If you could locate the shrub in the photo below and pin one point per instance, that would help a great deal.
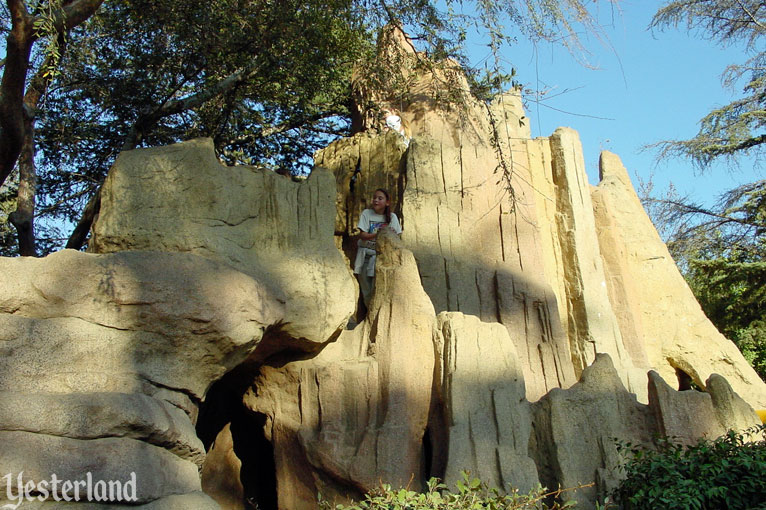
(727, 473)
(471, 494)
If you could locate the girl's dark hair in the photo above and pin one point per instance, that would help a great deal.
(388, 207)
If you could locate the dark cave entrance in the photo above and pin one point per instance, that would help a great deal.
(247, 437)
(685, 381)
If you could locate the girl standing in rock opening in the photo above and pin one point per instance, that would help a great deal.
(370, 221)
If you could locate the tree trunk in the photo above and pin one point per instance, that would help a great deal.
(80, 234)
(19, 44)
(23, 218)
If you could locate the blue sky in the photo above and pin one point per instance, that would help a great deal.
(650, 87)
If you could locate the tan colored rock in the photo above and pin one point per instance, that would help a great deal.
(194, 500)
(732, 411)
(444, 209)
(77, 322)
(220, 474)
(657, 309)
(181, 199)
(103, 359)
(689, 415)
(684, 416)
(592, 325)
(38, 457)
(575, 431)
(488, 418)
(99, 415)
(358, 410)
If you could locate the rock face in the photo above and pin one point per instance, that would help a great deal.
(357, 413)
(273, 230)
(488, 420)
(521, 323)
(106, 357)
(508, 229)
(668, 330)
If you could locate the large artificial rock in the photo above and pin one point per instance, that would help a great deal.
(194, 500)
(357, 413)
(689, 415)
(124, 322)
(488, 418)
(215, 299)
(592, 325)
(575, 432)
(98, 415)
(105, 357)
(182, 199)
(657, 310)
(158, 472)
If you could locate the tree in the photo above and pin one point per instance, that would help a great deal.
(19, 98)
(269, 81)
(739, 127)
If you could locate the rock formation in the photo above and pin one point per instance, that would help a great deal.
(523, 321)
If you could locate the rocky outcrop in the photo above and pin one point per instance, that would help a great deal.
(488, 419)
(256, 221)
(204, 335)
(668, 330)
(356, 413)
(575, 432)
(507, 229)
(106, 357)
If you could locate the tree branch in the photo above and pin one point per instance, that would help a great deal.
(149, 118)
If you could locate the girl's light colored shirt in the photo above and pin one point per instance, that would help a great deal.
(371, 222)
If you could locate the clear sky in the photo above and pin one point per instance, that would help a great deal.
(647, 87)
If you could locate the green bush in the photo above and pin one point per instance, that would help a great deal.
(471, 494)
(727, 473)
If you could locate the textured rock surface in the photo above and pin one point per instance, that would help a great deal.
(104, 359)
(223, 288)
(574, 431)
(220, 474)
(689, 415)
(195, 501)
(358, 410)
(125, 322)
(181, 199)
(488, 418)
(655, 305)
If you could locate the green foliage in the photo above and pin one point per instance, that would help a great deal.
(729, 472)
(470, 494)
(726, 268)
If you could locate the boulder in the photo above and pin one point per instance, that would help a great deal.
(488, 418)
(180, 198)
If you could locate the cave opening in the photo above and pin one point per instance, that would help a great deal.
(240, 470)
(685, 381)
